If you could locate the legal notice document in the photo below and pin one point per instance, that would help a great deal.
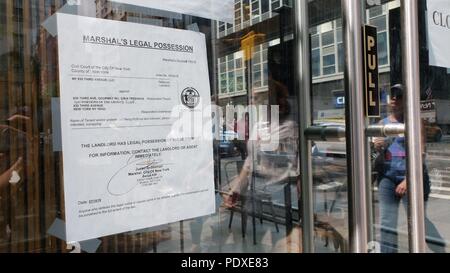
(136, 126)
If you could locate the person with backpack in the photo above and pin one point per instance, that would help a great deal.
(391, 177)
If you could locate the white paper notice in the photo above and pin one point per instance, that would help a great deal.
(221, 10)
(126, 90)
(439, 32)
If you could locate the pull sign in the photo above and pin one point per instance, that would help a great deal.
(373, 107)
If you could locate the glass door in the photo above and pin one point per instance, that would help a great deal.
(241, 128)
(236, 192)
(434, 106)
(406, 214)
(328, 109)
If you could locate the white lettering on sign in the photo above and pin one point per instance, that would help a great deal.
(340, 100)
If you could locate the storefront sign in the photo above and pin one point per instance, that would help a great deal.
(439, 32)
(428, 110)
(127, 164)
(222, 10)
(340, 102)
(373, 107)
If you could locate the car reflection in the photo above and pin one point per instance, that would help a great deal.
(228, 146)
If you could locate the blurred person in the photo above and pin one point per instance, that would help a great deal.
(259, 159)
(272, 151)
(391, 177)
(11, 174)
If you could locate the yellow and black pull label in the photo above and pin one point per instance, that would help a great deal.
(372, 93)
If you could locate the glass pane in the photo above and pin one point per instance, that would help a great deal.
(383, 55)
(265, 6)
(239, 83)
(328, 38)
(379, 22)
(264, 54)
(223, 67)
(133, 88)
(339, 35)
(231, 81)
(265, 74)
(315, 41)
(389, 235)
(262, 184)
(257, 76)
(239, 63)
(388, 154)
(329, 60)
(246, 8)
(329, 70)
(329, 158)
(230, 64)
(328, 50)
(375, 11)
(257, 58)
(434, 108)
(341, 58)
(275, 4)
(315, 59)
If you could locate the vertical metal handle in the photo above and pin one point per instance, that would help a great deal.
(411, 70)
(303, 87)
(355, 123)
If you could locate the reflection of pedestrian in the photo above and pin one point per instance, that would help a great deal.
(272, 158)
(272, 149)
(392, 187)
(241, 143)
(11, 173)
